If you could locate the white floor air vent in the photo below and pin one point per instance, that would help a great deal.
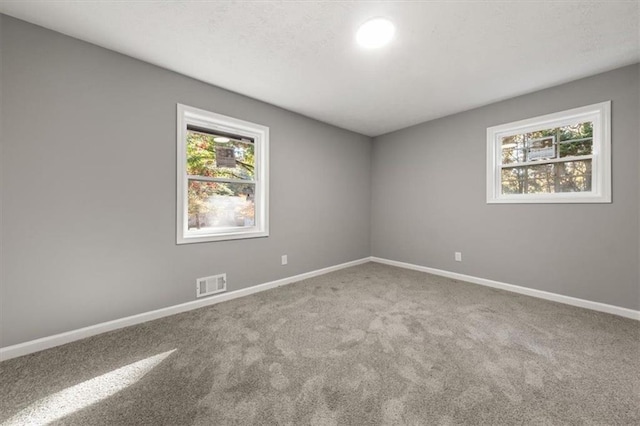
(211, 285)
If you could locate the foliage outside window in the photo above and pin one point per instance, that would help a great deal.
(222, 177)
(556, 158)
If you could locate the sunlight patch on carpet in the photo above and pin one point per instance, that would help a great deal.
(82, 395)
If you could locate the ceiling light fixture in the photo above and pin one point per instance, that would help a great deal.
(375, 33)
(221, 139)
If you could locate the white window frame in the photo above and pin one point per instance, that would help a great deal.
(188, 115)
(599, 114)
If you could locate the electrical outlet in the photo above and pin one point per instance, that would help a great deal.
(284, 259)
(458, 256)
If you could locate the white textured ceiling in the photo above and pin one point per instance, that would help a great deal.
(446, 57)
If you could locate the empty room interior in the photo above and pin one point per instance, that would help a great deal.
(320, 213)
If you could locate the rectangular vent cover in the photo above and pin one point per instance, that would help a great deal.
(211, 285)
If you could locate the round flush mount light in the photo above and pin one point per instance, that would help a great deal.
(375, 33)
(221, 139)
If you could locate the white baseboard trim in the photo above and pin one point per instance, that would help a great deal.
(81, 333)
(568, 300)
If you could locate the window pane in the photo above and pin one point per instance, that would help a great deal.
(576, 131)
(572, 176)
(513, 173)
(537, 179)
(513, 180)
(576, 148)
(542, 148)
(539, 186)
(233, 159)
(541, 171)
(512, 187)
(221, 205)
(540, 179)
(576, 139)
(513, 141)
(546, 144)
(512, 155)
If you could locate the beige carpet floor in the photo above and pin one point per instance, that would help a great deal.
(368, 345)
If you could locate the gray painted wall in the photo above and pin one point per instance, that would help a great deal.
(87, 201)
(428, 200)
(89, 188)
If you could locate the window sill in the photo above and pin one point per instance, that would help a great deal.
(575, 198)
(206, 238)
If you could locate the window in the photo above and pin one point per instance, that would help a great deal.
(557, 158)
(222, 177)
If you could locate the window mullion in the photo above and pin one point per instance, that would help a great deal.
(551, 161)
(221, 180)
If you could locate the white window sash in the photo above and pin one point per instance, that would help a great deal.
(599, 114)
(187, 115)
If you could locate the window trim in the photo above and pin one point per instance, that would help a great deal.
(194, 116)
(599, 113)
